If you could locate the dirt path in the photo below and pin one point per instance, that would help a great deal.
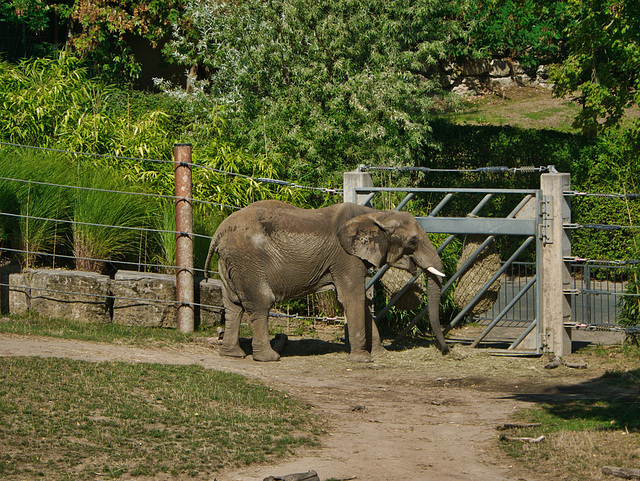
(411, 415)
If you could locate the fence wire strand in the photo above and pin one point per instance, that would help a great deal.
(608, 227)
(108, 226)
(614, 195)
(263, 180)
(482, 170)
(111, 191)
(55, 256)
(26, 290)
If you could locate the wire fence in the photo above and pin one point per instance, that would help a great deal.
(596, 299)
(144, 229)
(57, 255)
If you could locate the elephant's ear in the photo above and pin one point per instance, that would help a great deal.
(365, 237)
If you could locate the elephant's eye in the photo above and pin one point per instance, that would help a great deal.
(413, 242)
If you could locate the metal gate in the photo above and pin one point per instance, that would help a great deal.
(524, 223)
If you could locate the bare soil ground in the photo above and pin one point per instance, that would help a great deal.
(411, 415)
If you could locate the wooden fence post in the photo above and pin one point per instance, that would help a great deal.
(556, 279)
(184, 238)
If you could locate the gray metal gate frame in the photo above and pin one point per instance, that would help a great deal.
(530, 228)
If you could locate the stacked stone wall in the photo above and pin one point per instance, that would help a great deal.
(476, 76)
(130, 298)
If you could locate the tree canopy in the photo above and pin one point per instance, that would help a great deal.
(337, 82)
(602, 60)
(326, 82)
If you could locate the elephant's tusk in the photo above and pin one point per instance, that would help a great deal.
(435, 271)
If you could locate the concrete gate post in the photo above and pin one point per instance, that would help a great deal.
(351, 180)
(556, 246)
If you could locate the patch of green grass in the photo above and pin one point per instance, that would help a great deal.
(586, 426)
(544, 113)
(64, 419)
(619, 413)
(524, 108)
(32, 324)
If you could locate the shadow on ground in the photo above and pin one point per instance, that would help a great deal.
(611, 400)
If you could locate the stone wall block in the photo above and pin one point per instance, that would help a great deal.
(502, 83)
(516, 68)
(19, 295)
(480, 75)
(144, 299)
(73, 295)
(523, 80)
(132, 298)
(210, 292)
(499, 68)
(476, 67)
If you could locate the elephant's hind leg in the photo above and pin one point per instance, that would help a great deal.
(262, 350)
(231, 340)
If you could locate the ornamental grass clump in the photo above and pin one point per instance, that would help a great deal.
(108, 218)
(34, 208)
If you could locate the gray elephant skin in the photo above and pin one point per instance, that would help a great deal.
(271, 251)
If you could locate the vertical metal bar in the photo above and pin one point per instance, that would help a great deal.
(377, 276)
(539, 273)
(587, 288)
(368, 199)
(384, 269)
(520, 205)
(184, 238)
(473, 301)
(466, 265)
(481, 204)
(464, 311)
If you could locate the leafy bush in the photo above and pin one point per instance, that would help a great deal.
(54, 103)
(525, 29)
(630, 303)
(608, 165)
(601, 64)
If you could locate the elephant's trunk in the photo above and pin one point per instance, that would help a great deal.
(428, 259)
(433, 300)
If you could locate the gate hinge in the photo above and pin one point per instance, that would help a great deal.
(546, 224)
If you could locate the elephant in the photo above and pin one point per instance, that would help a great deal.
(271, 251)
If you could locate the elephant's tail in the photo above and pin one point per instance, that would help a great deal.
(213, 247)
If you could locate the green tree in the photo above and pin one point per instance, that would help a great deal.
(104, 30)
(101, 32)
(325, 83)
(528, 30)
(33, 27)
(602, 62)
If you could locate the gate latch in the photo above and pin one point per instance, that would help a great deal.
(546, 224)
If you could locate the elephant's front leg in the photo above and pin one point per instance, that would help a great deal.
(262, 350)
(374, 341)
(359, 332)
